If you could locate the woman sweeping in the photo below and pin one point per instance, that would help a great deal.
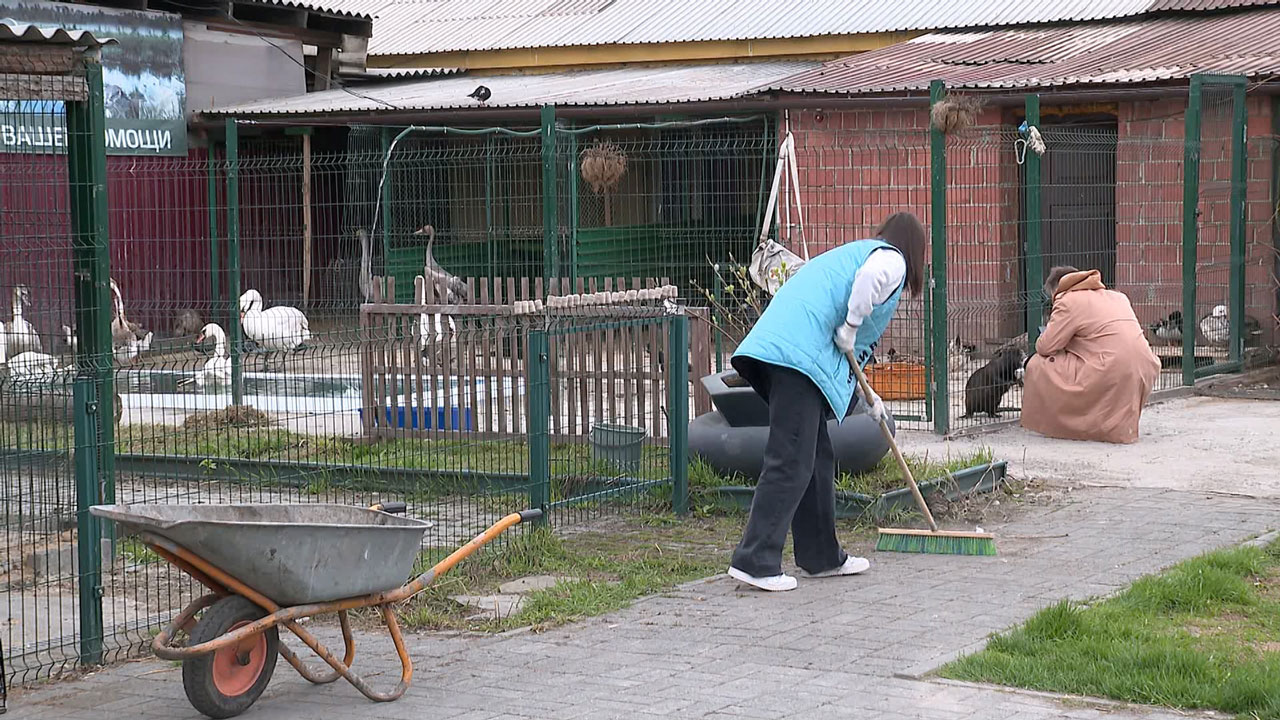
(1093, 369)
(794, 357)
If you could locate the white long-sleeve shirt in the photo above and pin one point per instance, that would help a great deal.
(879, 277)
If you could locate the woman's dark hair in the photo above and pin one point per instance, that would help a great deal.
(1056, 274)
(903, 231)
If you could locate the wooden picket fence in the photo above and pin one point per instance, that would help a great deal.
(468, 378)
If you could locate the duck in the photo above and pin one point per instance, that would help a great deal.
(69, 342)
(217, 369)
(275, 329)
(30, 365)
(1169, 329)
(22, 337)
(1216, 327)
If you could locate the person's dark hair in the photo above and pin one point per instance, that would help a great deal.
(1056, 274)
(903, 231)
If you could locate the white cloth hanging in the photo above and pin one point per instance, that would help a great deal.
(772, 263)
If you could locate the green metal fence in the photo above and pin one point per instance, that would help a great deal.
(471, 402)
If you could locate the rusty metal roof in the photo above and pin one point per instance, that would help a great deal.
(414, 27)
(624, 86)
(50, 36)
(1129, 51)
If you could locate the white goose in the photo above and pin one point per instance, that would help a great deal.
(35, 366)
(22, 336)
(275, 329)
(217, 369)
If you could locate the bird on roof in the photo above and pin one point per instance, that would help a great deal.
(481, 93)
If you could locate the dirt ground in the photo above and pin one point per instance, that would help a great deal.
(1202, 444)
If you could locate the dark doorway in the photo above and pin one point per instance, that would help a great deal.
(1078, 194)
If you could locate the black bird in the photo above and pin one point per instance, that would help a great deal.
(481, 93)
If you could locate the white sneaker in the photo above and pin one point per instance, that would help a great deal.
(852, 566)
(775, 583)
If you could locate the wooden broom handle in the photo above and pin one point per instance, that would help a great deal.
(893, 445)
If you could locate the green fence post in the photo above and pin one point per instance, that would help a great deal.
(385, 202)
(938, 276)
(574, 216)
(1239, 176)
(1190, 217)
(94, 388)
(539, 383)
(1034, 272)
(678, 412)
(88, 539)
(233, 261)
(215, 252)
(550, 240)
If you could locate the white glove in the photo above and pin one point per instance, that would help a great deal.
(874, 406)
(846, 334)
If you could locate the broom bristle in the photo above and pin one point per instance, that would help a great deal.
(935, 544)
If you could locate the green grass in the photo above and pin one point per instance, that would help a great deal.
(272, 443)
(1203, 635)
(606, 571)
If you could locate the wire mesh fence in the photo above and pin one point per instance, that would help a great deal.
(475, 321)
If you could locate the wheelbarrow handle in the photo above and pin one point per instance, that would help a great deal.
(393, 508)
(530, 514)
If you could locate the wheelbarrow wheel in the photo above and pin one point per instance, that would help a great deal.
(227, 682)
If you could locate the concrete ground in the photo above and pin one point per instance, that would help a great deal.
(834, 648)
(1199, 444)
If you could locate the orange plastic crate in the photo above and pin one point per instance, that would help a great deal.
(897, 380)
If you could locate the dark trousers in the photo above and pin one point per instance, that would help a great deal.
(796, 489)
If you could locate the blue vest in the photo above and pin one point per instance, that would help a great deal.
(797, 329)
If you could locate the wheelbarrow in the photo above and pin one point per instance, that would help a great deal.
(273, 565)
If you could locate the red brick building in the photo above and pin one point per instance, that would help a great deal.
(1113, 97)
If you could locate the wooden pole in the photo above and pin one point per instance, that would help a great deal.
(306, 220)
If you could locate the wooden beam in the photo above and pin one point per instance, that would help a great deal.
(324, 68)
(319, 38)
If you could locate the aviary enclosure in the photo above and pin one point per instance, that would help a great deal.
(488, 318)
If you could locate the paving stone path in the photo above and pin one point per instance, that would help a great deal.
(834, 648)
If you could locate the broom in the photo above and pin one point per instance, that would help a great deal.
(932, 541)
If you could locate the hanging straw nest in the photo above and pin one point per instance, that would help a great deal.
(603, 165)
(955, 113)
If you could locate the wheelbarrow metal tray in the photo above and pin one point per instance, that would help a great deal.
(293, 554)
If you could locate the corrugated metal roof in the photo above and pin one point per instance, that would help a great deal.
(1198, 5)
(1128, 51)
(51, 36)
(625, 86)
(412, 73)
(336, 7)
(412, 27)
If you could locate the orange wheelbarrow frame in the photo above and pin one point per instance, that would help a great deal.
(244, 637)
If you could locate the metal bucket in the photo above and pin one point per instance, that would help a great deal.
(619, 445)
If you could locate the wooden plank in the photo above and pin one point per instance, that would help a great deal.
(415, 347)
(470, 339)
(366, 375)
(500, 336)
(389, 354)
(659, 329)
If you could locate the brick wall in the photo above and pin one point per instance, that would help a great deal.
(857, 166)
(1149, 187)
